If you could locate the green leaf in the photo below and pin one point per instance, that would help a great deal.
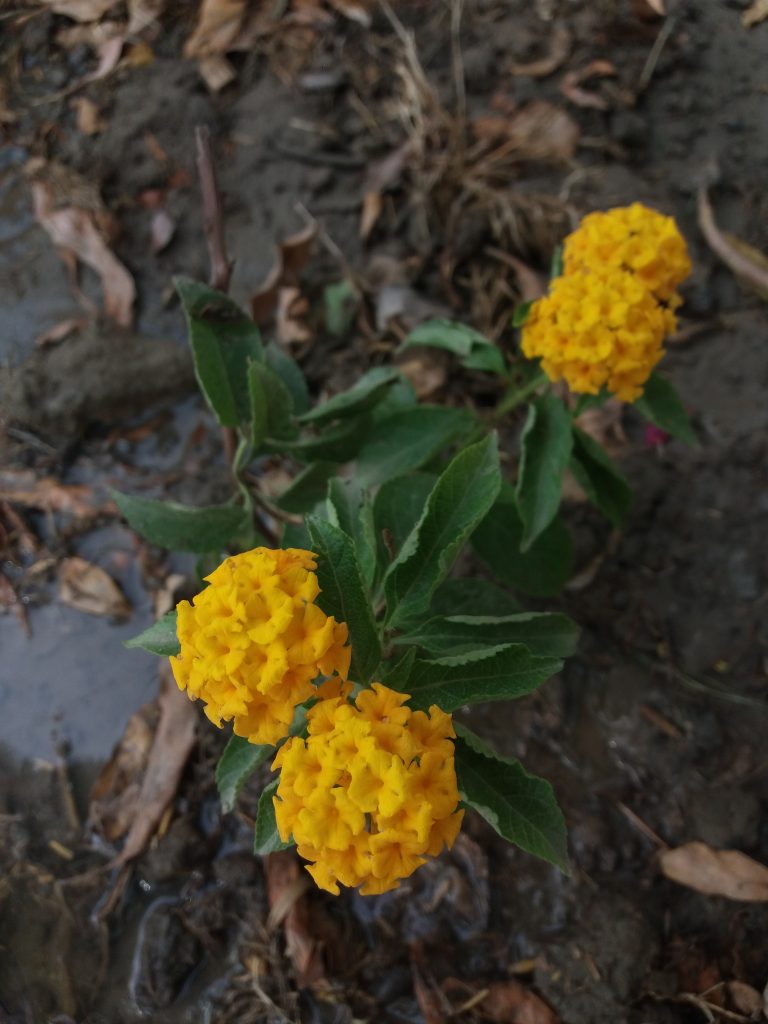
(545, 444)
(497, 673)
(472, 596)
(603, 484)
(160, 638)
(307, 489)
(397, 507)
(395, 674)
(180, 527)
(239, 760)
(343, 594)
(289, 372)
(366, 393)
(474, 350)
(223, 340)
(266, 838)
(546, 634)
(341, 301)
(407, 440)
(520, 313)
(271, 406)
(460, 499)
(540, 571)
(522, 808)
(339, 443)
(350, 509)
(661, 404)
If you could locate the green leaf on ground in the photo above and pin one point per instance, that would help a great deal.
(342, 301)
(407, 440)
(460, 499)
(522, 808)
(223, 341)
(542, 570)
(662, 406)
(239, 760)
(475, 351)
(602, 481)
(160, 638)
(365, 394)
(342, 594)
(181, 527)
(266, 838)
(547, 634)
(497, 673)
(545, 444)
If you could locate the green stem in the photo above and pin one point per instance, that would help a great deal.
(516, 396)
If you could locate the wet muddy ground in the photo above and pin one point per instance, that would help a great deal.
(654, 733)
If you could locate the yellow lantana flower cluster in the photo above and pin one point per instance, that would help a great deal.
(604, 320)
(253, 642)
(371, 792)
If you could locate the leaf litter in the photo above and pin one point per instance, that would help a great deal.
(88, 588)
(727, 873)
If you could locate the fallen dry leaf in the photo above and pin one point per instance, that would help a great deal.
(604, 425)
(509, 1002)
(81, 10)
(88, 116)
(142, 13)
(559, 48)
(426, 371)
(114, 799)
(20, 486)
(74, 230)
(570, 86)
(430, 999)
(292, 256)
(355, 10)
(755, 13)
(218, 25)
(171, 747)
(89, 588)
(60, 331)
(748, 264)
(291, 327)
(287, 885)
(728, 873)
(746, 1000)
(647, 9)
(162, 230)
(379, 176)
(216, 71)
(538, 131)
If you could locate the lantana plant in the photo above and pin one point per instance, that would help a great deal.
(331, 634)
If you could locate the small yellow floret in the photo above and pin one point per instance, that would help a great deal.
(253, 642)
(371, 792)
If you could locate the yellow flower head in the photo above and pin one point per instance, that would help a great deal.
(371, 792)
(596, 329)
(253, 642)
(633, 238)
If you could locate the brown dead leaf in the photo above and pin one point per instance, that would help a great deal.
(755, 13)
(291, 327)
(114, 799)
(81, 10)
(381, 175)
(538, 131)
(217, 72)
(354, 10)
(604, 425)
(747, 263)
(426, 371)
(142, 13)
(559, 48)
(89, 588)
(746, 1000)
(287, 885)
(292, 256)
(88, 116)
(647, 9)
(21, 487)
(430, 999)
(60, 331)
(570, 86)
(171, 747)
(728, 873)
(79, 232)
(509, 1002)
(218, 25)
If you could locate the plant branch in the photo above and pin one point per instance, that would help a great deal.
(213, 217)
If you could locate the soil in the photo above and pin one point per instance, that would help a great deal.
(652, 735)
